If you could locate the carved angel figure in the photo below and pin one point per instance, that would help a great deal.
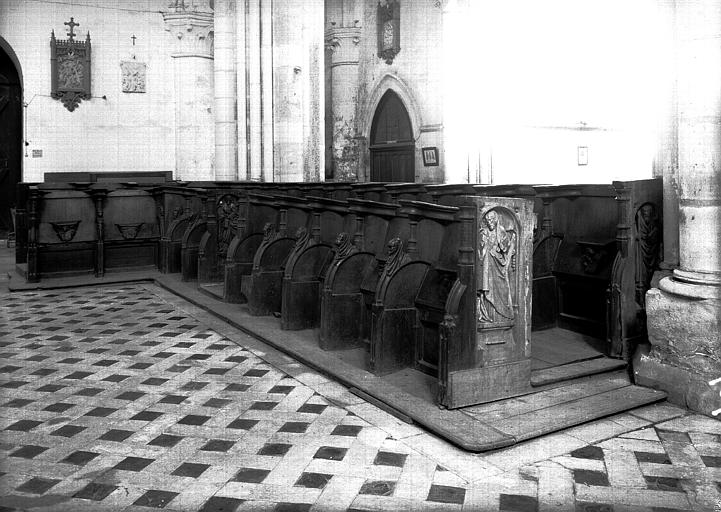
(496, 252)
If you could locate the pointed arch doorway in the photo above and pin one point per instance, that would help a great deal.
(10, 138)
(392, 149)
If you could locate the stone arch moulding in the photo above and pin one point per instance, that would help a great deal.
(368, 111)
(395, 84)
(14, 58)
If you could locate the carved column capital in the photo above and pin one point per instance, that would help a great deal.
(193, 31)
(344, 45)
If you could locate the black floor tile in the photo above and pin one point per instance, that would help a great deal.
(173, 399)
(116, 435)
(79, 458)
(313, 480)
(660, 483)
(155, 498)
(68, 430)
(23, 425)
(37, 485)
(154, 381)
(133, 464)
(296, 427)
(517, 503)
(217, 445)
(397, 460)
(193, 419)
(101, 412)
(147, 416)
(275, 449)
(237, 387)
(217, 403)
(292, 507)
(251, 475)
(312, 408)
(263, 406)
(242, 424)
(89, 391)
(28, 451)
(281, 389)
(656, 458)
(711, 461)
(446, 494)
(255, 373)
(588, 452)
(166, 440)
(379, 488)
(330, 453)
(588, 477)
(346, 430)
(221, 504)
(130, 395)
(190, 469)
(194, 385)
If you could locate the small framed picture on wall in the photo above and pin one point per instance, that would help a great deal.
(582, 155)
(430, 156)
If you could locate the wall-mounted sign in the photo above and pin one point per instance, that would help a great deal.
(430, 156)
(37, 153)
(582, 155)
(70, 68)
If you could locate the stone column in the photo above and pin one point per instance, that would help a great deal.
(192, 29)
(226, 130)
(254, 107)
(684, 313)
(242, 89)
(342, 37)
(266, 88)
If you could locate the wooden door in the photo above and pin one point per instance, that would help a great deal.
(10, 139)
(392, 147)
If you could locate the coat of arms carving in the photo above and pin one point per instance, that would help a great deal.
(70, 68)
(133, 75)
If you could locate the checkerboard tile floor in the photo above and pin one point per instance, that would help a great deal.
(122, 398)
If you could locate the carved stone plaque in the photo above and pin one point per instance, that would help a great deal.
(133, 76)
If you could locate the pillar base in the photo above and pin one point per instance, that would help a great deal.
(684, 331)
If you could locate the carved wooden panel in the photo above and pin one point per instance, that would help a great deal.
(70, 68)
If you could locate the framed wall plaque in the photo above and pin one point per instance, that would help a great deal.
(70, 68)
(430, 156)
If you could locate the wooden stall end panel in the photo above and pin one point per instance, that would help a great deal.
(342, 302)
(302, 288)
(66, 236)
(131, 231)
(239, 264)
(639, 242)
(264, 296)
(497, 241)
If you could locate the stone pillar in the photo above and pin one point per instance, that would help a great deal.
(266, 88)
(226, 130)
(342, 37)
(242, 89)
(192, 29)
(255, 107)
(684, 313)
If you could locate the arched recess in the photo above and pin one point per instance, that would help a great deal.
(392, 145)
(370, 107)
(11, 133)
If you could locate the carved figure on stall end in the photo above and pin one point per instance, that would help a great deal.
(648, 243)
(228, 223)
(496, 254)
(343, 248)
(396, 257)
(302, 239)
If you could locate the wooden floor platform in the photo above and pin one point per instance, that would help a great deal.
(573, 383)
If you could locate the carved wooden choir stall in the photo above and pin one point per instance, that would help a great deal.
(414, 296)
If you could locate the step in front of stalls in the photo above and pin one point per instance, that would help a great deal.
(588, 390)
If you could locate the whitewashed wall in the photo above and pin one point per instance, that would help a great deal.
(123, 132)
